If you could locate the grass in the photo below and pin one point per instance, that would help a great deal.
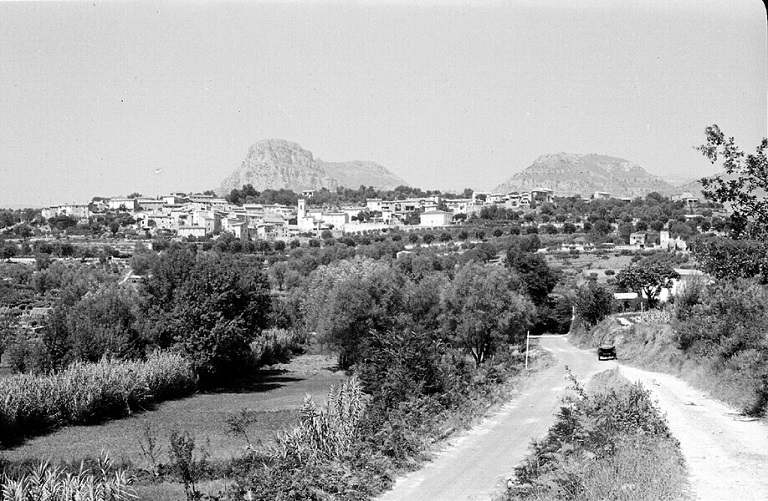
(274, 395)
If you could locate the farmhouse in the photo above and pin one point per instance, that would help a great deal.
(435, 218)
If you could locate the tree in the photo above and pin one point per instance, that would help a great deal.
(8, 251)
(538, 278)
(744, 186)
(348, 300)
(648, 279)
(482, 309)
(726, 259)
(593, 303)
(217, 312)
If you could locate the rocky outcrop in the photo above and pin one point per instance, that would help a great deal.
(276, 164)
(572, 174)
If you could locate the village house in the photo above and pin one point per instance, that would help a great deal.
(638, 238)
(81, 212)
(123, 204)
(435, 218)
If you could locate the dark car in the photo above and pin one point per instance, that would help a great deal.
(606, 351)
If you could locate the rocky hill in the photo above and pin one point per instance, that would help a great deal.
(276, 163)
(571, 174)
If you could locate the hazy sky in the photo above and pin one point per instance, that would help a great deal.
(95, 98)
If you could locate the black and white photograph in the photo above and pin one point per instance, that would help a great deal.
(384, 250)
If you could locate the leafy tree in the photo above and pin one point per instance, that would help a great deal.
(593, 303)
(348, 300)
(649, 279)
(8, 251)
(482, 310)
(744, 186)
(724, 258)
(217, 312)
(104, 324)
(538, 278)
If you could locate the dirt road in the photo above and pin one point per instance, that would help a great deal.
(477, 464)
(727, 457)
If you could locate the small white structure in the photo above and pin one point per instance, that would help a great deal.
(435, 218)
(638, 238)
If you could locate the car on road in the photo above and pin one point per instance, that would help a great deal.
(606, 351)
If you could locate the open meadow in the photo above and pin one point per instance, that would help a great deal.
(272, 396)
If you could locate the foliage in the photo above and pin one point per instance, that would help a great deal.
(724, 258)
(324, 434)
(649, 280)
(538, 277)
(482, 309)
(185, 464)
(210, 307)
(86, 393)
(54, 483)
(602, 442)
(727, 331)
(593, 303)
(398, 365)
(218, 311)
(102, 323)
(744, 184)
(348, 300)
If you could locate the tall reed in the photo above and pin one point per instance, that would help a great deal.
(53, 483)
(324, 433)
(86, 393)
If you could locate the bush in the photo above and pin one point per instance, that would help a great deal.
(602, 443)
(726, 331)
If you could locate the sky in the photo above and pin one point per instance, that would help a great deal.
(110, 98)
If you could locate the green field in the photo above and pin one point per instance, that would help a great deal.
(273, 396)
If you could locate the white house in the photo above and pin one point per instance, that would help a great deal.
(435, 218)
(124, 203)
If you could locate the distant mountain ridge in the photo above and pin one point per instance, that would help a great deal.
(569, 174)
(277, 163)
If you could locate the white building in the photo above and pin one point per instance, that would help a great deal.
(124, 203)
(435, 218)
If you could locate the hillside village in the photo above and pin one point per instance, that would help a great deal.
(204, 215)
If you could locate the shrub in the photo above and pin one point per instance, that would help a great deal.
(727, 331)
(610, 443)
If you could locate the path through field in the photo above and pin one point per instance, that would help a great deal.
(727, 456)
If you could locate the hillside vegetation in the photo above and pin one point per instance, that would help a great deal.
(609, 441)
